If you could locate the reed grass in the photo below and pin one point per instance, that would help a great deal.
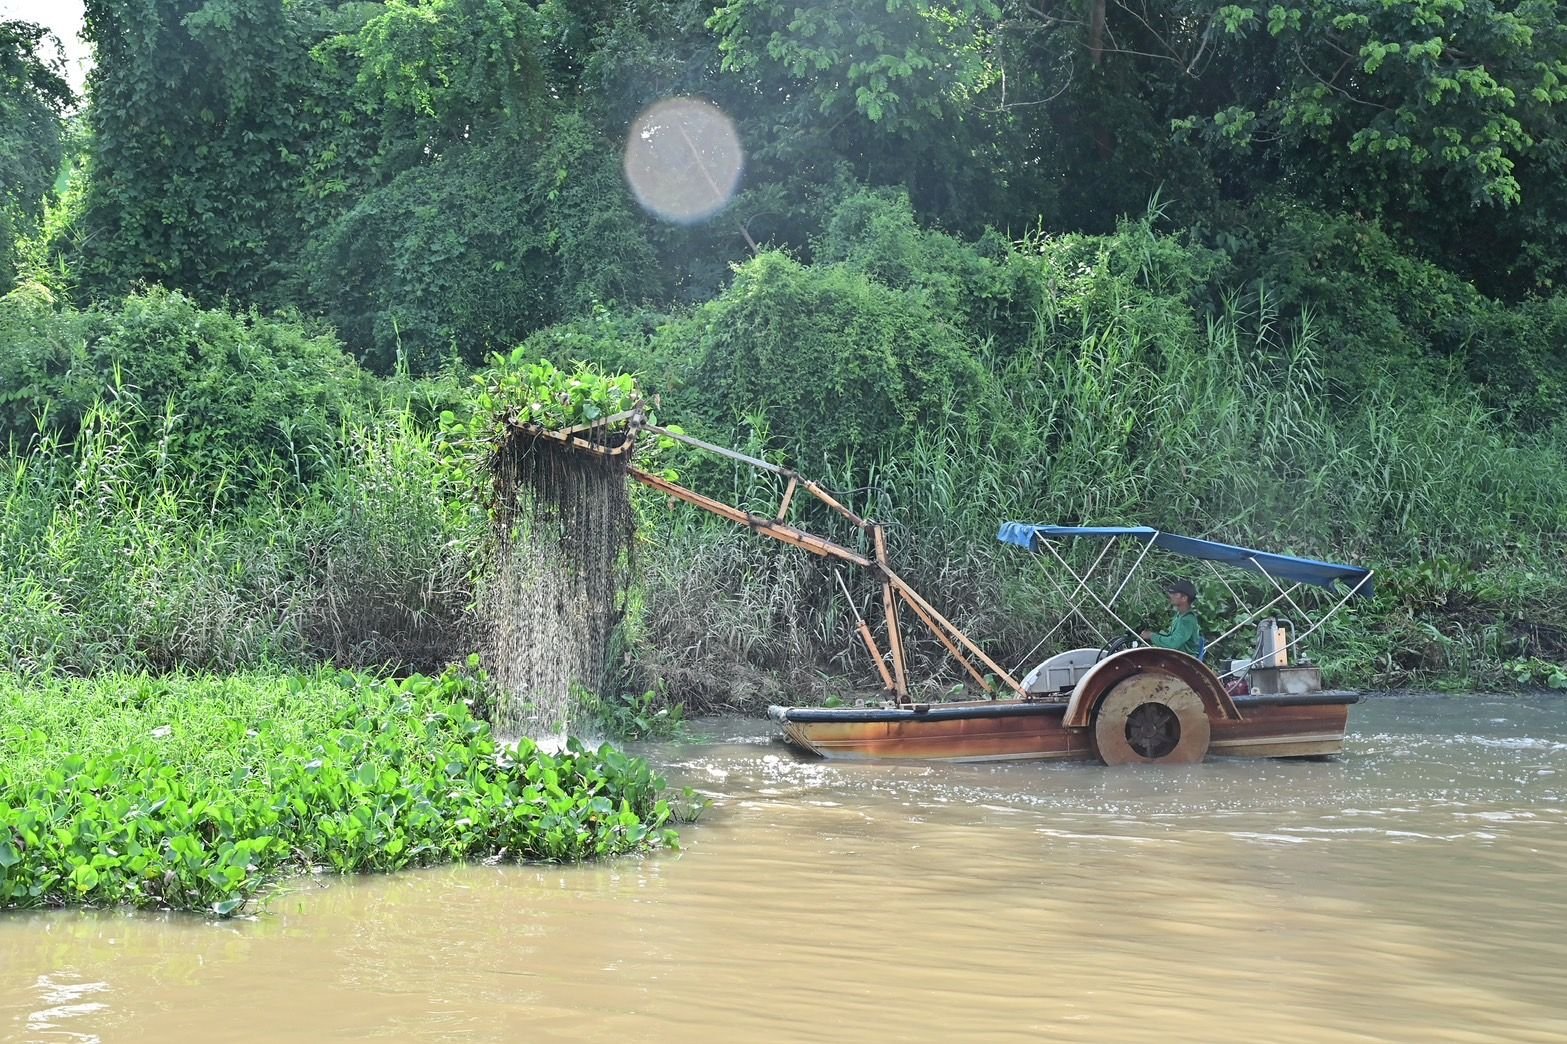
(115, 559)
(1127, 406)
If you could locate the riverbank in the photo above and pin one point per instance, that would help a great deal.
(197, 792)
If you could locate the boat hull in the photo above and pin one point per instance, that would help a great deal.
(1022, 730)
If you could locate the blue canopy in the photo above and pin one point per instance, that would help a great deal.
(1286, 567)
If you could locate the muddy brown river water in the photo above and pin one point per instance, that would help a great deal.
(1415, 890)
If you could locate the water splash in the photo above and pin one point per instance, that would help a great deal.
(556, 591)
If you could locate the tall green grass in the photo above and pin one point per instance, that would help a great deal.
(1127, 403)
(115, 557)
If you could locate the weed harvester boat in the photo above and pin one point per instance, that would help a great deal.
(1120, 702)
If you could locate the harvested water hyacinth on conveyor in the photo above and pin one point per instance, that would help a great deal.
(553, 588)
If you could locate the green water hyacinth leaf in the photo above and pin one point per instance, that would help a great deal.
(84, 878)
(263, 777)
(517, 390)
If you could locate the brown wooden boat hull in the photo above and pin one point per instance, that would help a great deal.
(1015, 730)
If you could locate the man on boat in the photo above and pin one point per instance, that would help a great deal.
(1185, 631)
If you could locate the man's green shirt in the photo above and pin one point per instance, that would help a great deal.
(1182, 635)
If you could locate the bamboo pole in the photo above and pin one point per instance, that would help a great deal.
(827, 498)
(914, 598)
(894, 588)
(783, 506)
(890, 607)
(766, 526)
(955, 652)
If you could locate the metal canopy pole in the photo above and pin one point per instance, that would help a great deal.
(1220, 577)
(1073, 608)
(1295, 639)
(1333, 611)
(1251, 614)
(1082, 581)
(1108, 611)
(1028, 656)
(1147, 547)
(1279, 588)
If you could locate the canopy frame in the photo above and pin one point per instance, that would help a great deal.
(1326, 575)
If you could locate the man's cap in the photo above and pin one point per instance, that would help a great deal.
(1181, 587)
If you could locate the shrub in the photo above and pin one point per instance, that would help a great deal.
(616, 341)
(839, 365)
(875, 232)
(255, 398)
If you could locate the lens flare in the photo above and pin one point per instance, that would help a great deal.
(683, 160)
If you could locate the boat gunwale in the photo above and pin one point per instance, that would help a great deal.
(1021, 708)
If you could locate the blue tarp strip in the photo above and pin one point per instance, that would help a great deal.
(1329, 575)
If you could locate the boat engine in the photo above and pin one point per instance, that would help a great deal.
(1269, 670)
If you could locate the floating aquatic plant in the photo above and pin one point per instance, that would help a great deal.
(197, 793)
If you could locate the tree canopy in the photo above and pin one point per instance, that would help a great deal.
(438, 177)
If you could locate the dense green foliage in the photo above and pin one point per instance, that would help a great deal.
(1284, 274)
(33, 100)
(429, 267)
(438, 176)
(194, 139)
(834, 362)
(635, 716)
(234, 399)
(516, 390)
(197, 793)
(1128, 378)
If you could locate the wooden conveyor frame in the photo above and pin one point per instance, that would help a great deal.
(896, 594)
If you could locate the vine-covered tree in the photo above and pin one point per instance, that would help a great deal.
(198, 131)
(281, 150)
(34, 99)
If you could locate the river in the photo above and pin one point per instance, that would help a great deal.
(1412, 891)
